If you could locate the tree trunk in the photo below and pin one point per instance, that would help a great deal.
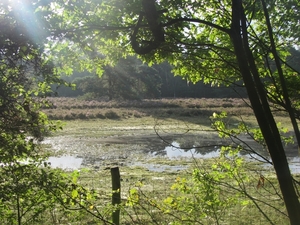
(262, 111)
(288, 105)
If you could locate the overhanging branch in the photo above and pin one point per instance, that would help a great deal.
(193, 20)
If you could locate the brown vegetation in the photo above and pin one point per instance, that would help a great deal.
(72, 108)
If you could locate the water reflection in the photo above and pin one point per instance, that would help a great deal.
(98, 153)
(294, 164)
(67, 162)
(176, 151)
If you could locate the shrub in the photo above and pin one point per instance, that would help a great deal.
(111, 115)
(137, 115)
(68, 117)
(81, 116)
(100, 116)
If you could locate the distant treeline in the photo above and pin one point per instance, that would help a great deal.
(131, 79)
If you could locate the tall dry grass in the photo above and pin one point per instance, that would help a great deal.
(73, 108)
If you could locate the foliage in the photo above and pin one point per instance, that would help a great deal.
(26, 75)
(215, 194)
(225, 131)
(225, 190)
(291, 72)
(104, 19)
(201, 198)
(131, 79)
(217, 42)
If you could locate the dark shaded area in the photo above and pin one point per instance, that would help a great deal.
(130, 79)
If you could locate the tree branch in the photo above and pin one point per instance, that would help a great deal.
(193, 20)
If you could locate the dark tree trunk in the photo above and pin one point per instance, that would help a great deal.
(262, 111)
(287, 104)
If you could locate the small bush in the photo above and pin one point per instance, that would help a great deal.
(100, 116)
(137, 115)
(81, 116)
(111, 115)
(68, 117)
(90, 116)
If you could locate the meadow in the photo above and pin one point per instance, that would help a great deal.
(74, 108)
(157, 189)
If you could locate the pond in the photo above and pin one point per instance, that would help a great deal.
(131, 154)
(67, 162)
(175, 151)
(71, 162)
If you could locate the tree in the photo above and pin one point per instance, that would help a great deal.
(25, 79)
(220, 42)
(25, 74)
(128, 79)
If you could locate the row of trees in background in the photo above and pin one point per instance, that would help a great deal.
(131, 79)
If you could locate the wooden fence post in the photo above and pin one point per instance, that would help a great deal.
(116, 194)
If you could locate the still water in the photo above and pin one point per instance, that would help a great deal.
(173, 151)
(67, 162)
